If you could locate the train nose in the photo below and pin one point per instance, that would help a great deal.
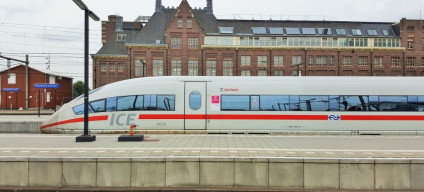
(49, 126)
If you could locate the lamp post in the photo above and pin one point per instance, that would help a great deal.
(88, 13)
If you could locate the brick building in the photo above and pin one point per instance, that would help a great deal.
(13, 88)
(193, 42)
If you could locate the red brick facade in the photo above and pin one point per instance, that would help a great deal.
(16, 100)
(184, 29)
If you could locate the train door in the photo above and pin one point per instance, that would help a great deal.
(195, 106)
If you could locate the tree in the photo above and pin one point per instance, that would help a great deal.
(77, 89)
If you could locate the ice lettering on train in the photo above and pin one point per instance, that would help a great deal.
(122, 119)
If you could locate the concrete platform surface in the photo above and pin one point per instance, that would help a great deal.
(40, 145)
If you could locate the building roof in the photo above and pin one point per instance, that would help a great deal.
(3, 69)
(153, 33)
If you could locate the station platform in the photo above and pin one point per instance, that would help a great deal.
(213, 162)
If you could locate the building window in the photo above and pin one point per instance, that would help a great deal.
(423, 42)
(211, 68)
(321, 61)
(180, 22)
(112, 67)
(278, 61)
(410, 43)
(262, 61)
(176, 43)
(296, 60)
(262, 73)
(121, 37)
(331, 62)
(175, 67)
(279, 73)
(395, 61)
(193, 67)
(410, 29)
(121, 67)
(410, 61)
(103, 67)
(422, 61)
(363, 61)
(310, 60)
(12, 78)
(228, 68)
(347, 61)
(378, 61)
(245, 73)
(189, 23)
(245, 60)
(193, 43)
(139, 68)
(157, 67)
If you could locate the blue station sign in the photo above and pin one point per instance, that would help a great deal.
(47, 86)
(11, 89)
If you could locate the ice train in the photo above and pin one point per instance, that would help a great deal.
(249, 105)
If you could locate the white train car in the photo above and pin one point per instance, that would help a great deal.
(249, 105)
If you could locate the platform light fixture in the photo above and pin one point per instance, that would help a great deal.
(86, 137)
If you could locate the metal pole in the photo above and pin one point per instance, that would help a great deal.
(39, 102)
(26, 82)
(86, 74)
(55, 100)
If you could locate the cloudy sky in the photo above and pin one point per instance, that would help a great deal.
(51, 31)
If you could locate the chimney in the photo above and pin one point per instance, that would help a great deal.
(119, 22)
(209, 7)
(158, 5)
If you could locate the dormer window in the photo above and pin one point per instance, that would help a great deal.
(121, 37)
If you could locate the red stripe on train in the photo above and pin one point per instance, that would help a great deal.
(382, 118)
(77, 120)
(236, 117)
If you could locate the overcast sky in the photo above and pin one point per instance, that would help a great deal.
(40, 27)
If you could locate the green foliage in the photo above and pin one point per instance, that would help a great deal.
(77, 89)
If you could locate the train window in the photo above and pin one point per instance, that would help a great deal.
(373, 103)
(354, 103)
(393, 103)
(166, 103)
(149, 103)
(79, 110)
(412, 103)
(111, 104)
(98, 106)
(334, 102)
(294, 103)
(314, 103)
(235, 103)
(139, 102)
(421, 103)
(274, 103)
(195, 100)
(254, 103)
(125, 103)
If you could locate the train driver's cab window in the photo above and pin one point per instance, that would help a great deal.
(98, 106)
(195, 100)
(126, 103)
(111, 104)
(149, 102)
(79, 110)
